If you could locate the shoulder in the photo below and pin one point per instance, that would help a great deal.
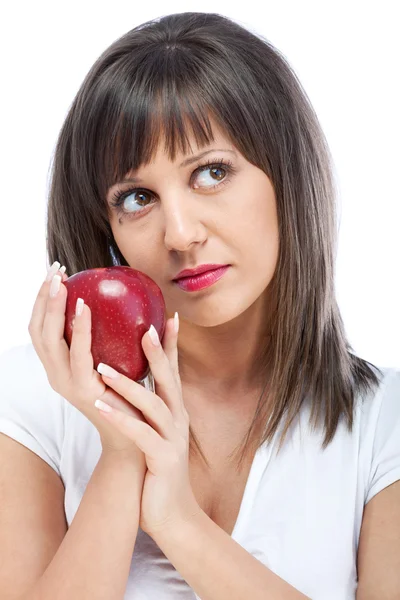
(385, 398)
(22, 373)
(379, 423)
(380, 408)
(379, 544)
(31, 412)
(19, 361)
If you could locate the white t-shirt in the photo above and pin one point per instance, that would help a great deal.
(301, 511)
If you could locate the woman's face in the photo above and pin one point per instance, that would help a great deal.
(174, 218)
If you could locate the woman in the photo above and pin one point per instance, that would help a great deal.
(265, 462)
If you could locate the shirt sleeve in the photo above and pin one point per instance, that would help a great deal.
(31, 412)
(385, 464)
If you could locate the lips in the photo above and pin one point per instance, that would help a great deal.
(203, 280)
(198, 270)
(196, 274)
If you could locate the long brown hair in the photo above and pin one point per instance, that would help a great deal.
(175, 72)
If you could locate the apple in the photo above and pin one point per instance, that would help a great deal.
(124, 303)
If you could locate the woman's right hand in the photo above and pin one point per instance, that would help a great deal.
(70, 371)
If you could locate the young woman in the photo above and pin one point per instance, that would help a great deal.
(264, 464)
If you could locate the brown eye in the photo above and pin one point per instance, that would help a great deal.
(219, 170)
(137, 196)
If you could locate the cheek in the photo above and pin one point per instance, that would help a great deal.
(257, 228)
(259, 239)
(138, 248)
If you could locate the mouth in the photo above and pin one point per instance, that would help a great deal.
(195, 283)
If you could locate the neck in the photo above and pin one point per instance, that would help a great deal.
(225, 361)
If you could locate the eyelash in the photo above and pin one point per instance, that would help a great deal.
(119, 196)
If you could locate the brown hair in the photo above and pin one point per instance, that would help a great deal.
(176, 71)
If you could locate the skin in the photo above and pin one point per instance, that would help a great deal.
(190, 224)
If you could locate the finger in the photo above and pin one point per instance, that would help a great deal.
(167, 385)
(54, 314)
(142, 434)
(80, 351)
(39, 308)
(52, 340)
(170, 345)
(154, 409)
(64, 275)
(111, 397)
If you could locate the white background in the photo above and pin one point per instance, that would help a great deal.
(346, 55)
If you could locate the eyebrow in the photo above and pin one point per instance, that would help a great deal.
(185, 163)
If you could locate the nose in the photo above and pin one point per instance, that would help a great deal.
(183, 223)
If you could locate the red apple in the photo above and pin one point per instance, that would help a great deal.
(124, 303)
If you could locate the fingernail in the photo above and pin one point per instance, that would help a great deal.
(79, 307)
(53, 269)
(103, 406)
(176, 322)
(63, 269)
(55, 286)
(107, 371)
(154, 335)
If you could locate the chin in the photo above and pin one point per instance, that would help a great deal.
(223, 312)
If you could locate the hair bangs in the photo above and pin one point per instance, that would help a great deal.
(131, 137)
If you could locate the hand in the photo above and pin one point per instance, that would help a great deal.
(70, 372)
(167, 496)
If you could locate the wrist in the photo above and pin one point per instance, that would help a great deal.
(136, 460)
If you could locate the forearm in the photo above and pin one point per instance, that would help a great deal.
(94, 557)
(217, 567)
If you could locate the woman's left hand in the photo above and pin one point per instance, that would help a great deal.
(167, 496)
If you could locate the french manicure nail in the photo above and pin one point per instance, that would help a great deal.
(79, 307)
(154, 335)
(107, 371)
(55, 286)
(103, 406)
(53, 269)
(176, 322)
